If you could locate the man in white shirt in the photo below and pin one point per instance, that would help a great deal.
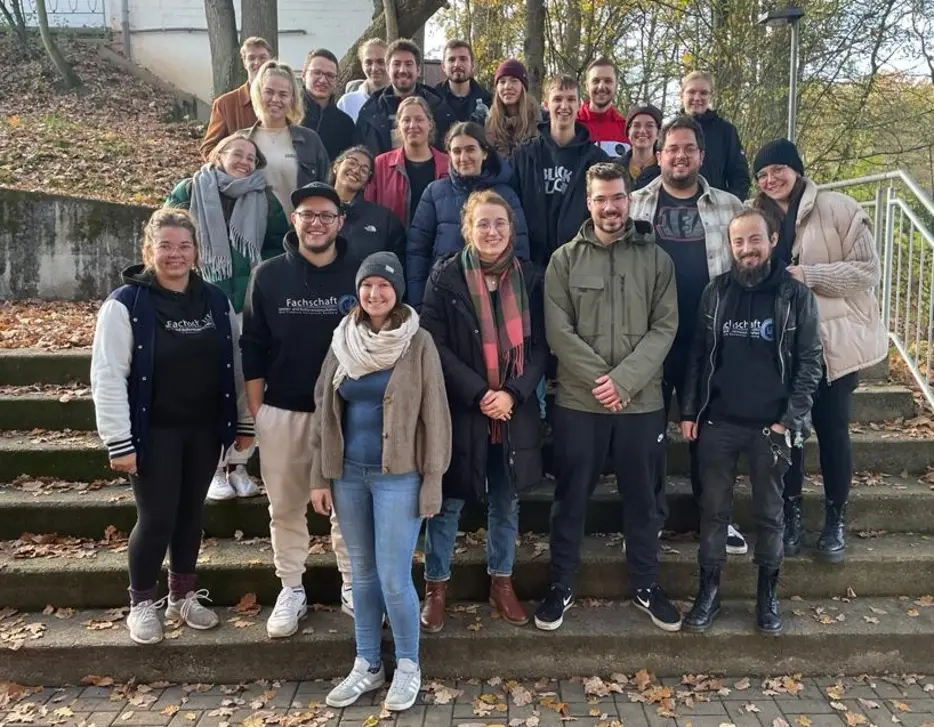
(372, 56)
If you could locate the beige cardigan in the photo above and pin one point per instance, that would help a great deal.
(837, 254)
(416, 423)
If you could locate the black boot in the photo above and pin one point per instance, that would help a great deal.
(768, 619)
(707, 603)
(793, 526)
(832, 542)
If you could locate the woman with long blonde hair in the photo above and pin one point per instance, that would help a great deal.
(515, 115)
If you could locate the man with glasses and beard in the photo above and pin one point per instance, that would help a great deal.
(293, 304)
(754, 365)
(690, 219)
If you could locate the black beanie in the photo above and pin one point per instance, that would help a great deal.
(383, 265)
(780, 151)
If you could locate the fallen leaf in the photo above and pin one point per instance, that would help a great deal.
(868, 704)
(170, 711)
(751, 707)
(839, 706)
(802, 721)
(742, 684)
(853, 719)
(901, 706)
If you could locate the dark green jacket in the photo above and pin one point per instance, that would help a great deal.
(277, 224)
(611, 309)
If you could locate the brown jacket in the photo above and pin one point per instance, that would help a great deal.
(416, 423)
(836, 251)
(229, 113)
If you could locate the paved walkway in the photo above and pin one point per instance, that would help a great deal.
(634, 701)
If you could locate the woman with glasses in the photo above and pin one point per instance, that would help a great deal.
(368, 227)
(485, 310)
(826, 242)
(241, 223)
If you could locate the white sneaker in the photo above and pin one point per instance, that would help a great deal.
(144, 623)
(406, 681)
(291, 605)
(220, 488)
(735, 542)
(242, 483)
(360, 681)
(347, 599)
(190, 611)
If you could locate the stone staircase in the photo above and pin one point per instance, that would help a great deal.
(63, 517)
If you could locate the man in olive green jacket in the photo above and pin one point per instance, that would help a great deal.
(611, 313)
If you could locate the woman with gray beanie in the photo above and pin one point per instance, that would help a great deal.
(826, 242)
(381, 438)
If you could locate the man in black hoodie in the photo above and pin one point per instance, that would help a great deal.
(335, 128)
(725, 166)
(549, 172)
(293, 304)
(754, 365)
(377, 118)
(468, 99)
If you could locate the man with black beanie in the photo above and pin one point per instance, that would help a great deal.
(293, 304)
(754, 365)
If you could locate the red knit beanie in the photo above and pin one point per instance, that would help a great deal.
(513, 68)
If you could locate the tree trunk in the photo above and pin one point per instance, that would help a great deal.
(70, 80)
(572, 39)
(392, 20)
(17, 22)
(412, 15)
(225, 50)
(260, 17)
(534, 45)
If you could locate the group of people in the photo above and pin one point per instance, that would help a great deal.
(381, 316)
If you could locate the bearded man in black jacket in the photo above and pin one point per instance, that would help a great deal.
(754, 366)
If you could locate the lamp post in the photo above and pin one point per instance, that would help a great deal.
(776, 19)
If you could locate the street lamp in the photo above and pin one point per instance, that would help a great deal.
(776, 19)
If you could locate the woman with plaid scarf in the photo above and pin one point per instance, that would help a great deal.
(485, 310)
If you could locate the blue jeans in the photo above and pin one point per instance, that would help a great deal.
(540, 394)
(502, 524)
(379, 518)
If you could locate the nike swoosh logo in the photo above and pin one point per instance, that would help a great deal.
(643, 602)
(567, 600)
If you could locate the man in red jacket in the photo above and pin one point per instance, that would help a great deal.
(606, 125)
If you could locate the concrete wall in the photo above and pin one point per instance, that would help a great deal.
(65, 248)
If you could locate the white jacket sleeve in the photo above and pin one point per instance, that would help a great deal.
(244, 419)
(111, 356)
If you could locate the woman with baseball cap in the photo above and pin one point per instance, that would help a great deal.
(515, 115)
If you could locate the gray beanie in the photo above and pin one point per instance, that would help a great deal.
(383, 265)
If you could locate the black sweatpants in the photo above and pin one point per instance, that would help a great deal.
(720, 445)
(833, 405)
(170, 491)
(582, 443)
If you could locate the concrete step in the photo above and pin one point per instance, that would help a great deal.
(602, 639)
(877, 503)
(890, 565)
(80, 456)
(22, 367)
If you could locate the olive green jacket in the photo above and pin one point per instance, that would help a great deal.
(611, 309)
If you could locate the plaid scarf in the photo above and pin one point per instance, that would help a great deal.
(504, 328)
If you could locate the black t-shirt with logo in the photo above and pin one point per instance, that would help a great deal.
(679, 231)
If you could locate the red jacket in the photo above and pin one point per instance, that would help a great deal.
(389, 185)
(607, 129)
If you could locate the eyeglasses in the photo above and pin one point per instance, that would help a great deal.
(365, 169)
(485, 226)
(169, 247)
(324, 74)
(326, 218)
(689, 150)
(775, 172)
(600, 201)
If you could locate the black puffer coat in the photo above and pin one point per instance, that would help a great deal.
(448, 314)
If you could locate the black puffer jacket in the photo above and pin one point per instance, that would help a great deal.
(800, 354)
(376, 119)
(448, 314)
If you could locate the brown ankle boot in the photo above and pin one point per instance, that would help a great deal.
(504, 600)
(432, 617)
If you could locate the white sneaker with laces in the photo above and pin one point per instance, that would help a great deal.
(242, 483)
(347, 599)
(144, 623)
(406, 681)
(360, 681)
(220, 488)
(291, 606)
(735, 542)
(190, 611)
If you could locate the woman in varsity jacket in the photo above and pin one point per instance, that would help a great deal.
(169, 397)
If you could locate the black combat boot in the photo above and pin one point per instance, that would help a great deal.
(768, 619)
(832, 543)
(707, 603)
(794, 528)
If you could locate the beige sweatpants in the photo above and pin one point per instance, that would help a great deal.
(285, 465)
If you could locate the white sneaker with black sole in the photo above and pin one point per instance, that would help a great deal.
(735, 542)
(658, 606)
(550, 612)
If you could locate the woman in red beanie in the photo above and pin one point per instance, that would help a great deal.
(515, 115)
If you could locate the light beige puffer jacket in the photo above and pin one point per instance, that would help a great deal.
(835, 248)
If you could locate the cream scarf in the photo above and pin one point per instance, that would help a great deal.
(361, 351)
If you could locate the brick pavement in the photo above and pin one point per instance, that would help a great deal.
(862, 701)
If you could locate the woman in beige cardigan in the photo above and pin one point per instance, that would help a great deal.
(381, 436)
(826, 242)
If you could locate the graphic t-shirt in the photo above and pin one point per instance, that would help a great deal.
(679, 231)
(559, 163)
